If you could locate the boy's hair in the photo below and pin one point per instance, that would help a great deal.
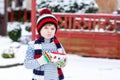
(46, 17)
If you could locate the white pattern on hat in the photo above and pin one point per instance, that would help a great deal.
(45, 15)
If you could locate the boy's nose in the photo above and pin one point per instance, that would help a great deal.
(49, 30)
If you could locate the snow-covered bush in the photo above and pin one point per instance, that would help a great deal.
(8, 53)
(72, 8)
(28, 28)
(55, 7)
(14, 32)
(91, 8)
(69, 7)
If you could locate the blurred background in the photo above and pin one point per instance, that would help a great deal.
(89, 31)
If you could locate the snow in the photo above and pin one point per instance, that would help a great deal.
(2, 7)
(77, 68)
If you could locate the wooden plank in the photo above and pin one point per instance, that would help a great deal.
(91, 44)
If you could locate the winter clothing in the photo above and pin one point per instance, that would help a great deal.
(45, 56)
(43, 71)
(38, 51)
(46, 17)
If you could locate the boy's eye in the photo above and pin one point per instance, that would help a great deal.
(45, 27)
(52, 28)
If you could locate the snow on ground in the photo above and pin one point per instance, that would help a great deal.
(77, 68)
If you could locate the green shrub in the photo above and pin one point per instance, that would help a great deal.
(69, 7)
(28, 28)
(92, 8)
(6, 55)
(15, 33)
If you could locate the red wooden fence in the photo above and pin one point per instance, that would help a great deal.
(89, 21)
(81, 34)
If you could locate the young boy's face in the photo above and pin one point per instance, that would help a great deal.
(48, 31)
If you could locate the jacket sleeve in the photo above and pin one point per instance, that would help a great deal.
(29, 61)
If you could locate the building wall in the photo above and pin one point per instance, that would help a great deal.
(107, 6)
(118, 4)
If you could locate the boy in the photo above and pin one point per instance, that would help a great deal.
(45, 55)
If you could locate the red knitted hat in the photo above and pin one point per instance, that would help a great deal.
(46, 17)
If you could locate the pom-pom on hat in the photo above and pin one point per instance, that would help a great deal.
(46, 17)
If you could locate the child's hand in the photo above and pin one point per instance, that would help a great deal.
(58, 58)
(47, 57)
(61, 63)
(44, 59)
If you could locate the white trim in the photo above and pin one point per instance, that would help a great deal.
(60, 50)
(37, 46)
(45, 15)
(38, 77)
